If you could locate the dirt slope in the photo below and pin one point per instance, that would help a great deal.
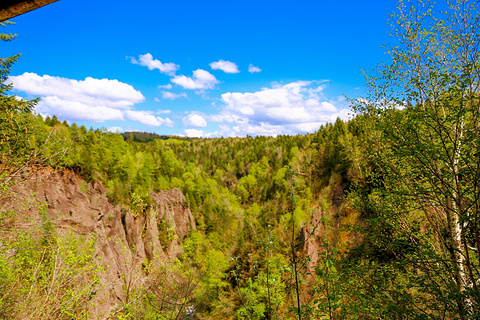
(124, 241)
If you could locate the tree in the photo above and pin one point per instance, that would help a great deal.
(21, 144)
(424, 111)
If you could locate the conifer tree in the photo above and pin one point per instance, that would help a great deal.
(21, 144)
(15, 149)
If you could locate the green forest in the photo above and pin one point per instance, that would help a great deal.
(377, 217)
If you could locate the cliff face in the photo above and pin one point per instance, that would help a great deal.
(124, 242)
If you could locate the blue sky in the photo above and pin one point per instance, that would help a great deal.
(198, 68)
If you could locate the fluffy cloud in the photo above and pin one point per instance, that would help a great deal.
(115, 129)
(200, 80)
(194, 120)
(147, 60)
(147, 118)
(253, 69)
(75, 111)
(292, 108)
(163, 111)
(167, 122)
(92, 92)
(172, 96)
(90, 99)
(167, 86)
(194, 133)
(225, 66)
(96, 100)
(290, 103)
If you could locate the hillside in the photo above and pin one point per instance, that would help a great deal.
(58, 205)
(247, 223)
(236, 206)
(377, 217)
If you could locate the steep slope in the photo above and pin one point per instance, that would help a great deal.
(124, 241)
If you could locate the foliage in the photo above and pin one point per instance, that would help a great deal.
(145, 136)
(44, 275)
(422, 194)
(24, 142)
(389, 201)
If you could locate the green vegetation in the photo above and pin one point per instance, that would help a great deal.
(44, 275)
(374, 218)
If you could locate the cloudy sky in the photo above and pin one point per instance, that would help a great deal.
(198, 68)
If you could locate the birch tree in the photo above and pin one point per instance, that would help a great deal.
(424, 105)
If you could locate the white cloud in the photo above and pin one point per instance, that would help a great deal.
(169, 123)
(293, 108)
(173, 96)
(115, 129)
(92, 92)
(147, 60)
(194, 133)
(227, 117)
(289, 103)
(74, 111)
(225, 66)
(147, 118)
(200, 80)
(167, 86)
(194, 120)
(253, 69)
(91, 99)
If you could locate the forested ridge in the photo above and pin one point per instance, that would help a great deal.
(372, 218)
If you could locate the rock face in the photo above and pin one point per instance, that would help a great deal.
(123, 241)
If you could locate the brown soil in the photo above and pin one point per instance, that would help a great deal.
(124, 241)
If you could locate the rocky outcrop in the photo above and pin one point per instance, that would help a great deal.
(124, 242)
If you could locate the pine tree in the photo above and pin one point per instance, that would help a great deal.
(22, 145)
(15, 123)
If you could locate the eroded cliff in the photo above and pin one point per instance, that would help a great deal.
(125, 242)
